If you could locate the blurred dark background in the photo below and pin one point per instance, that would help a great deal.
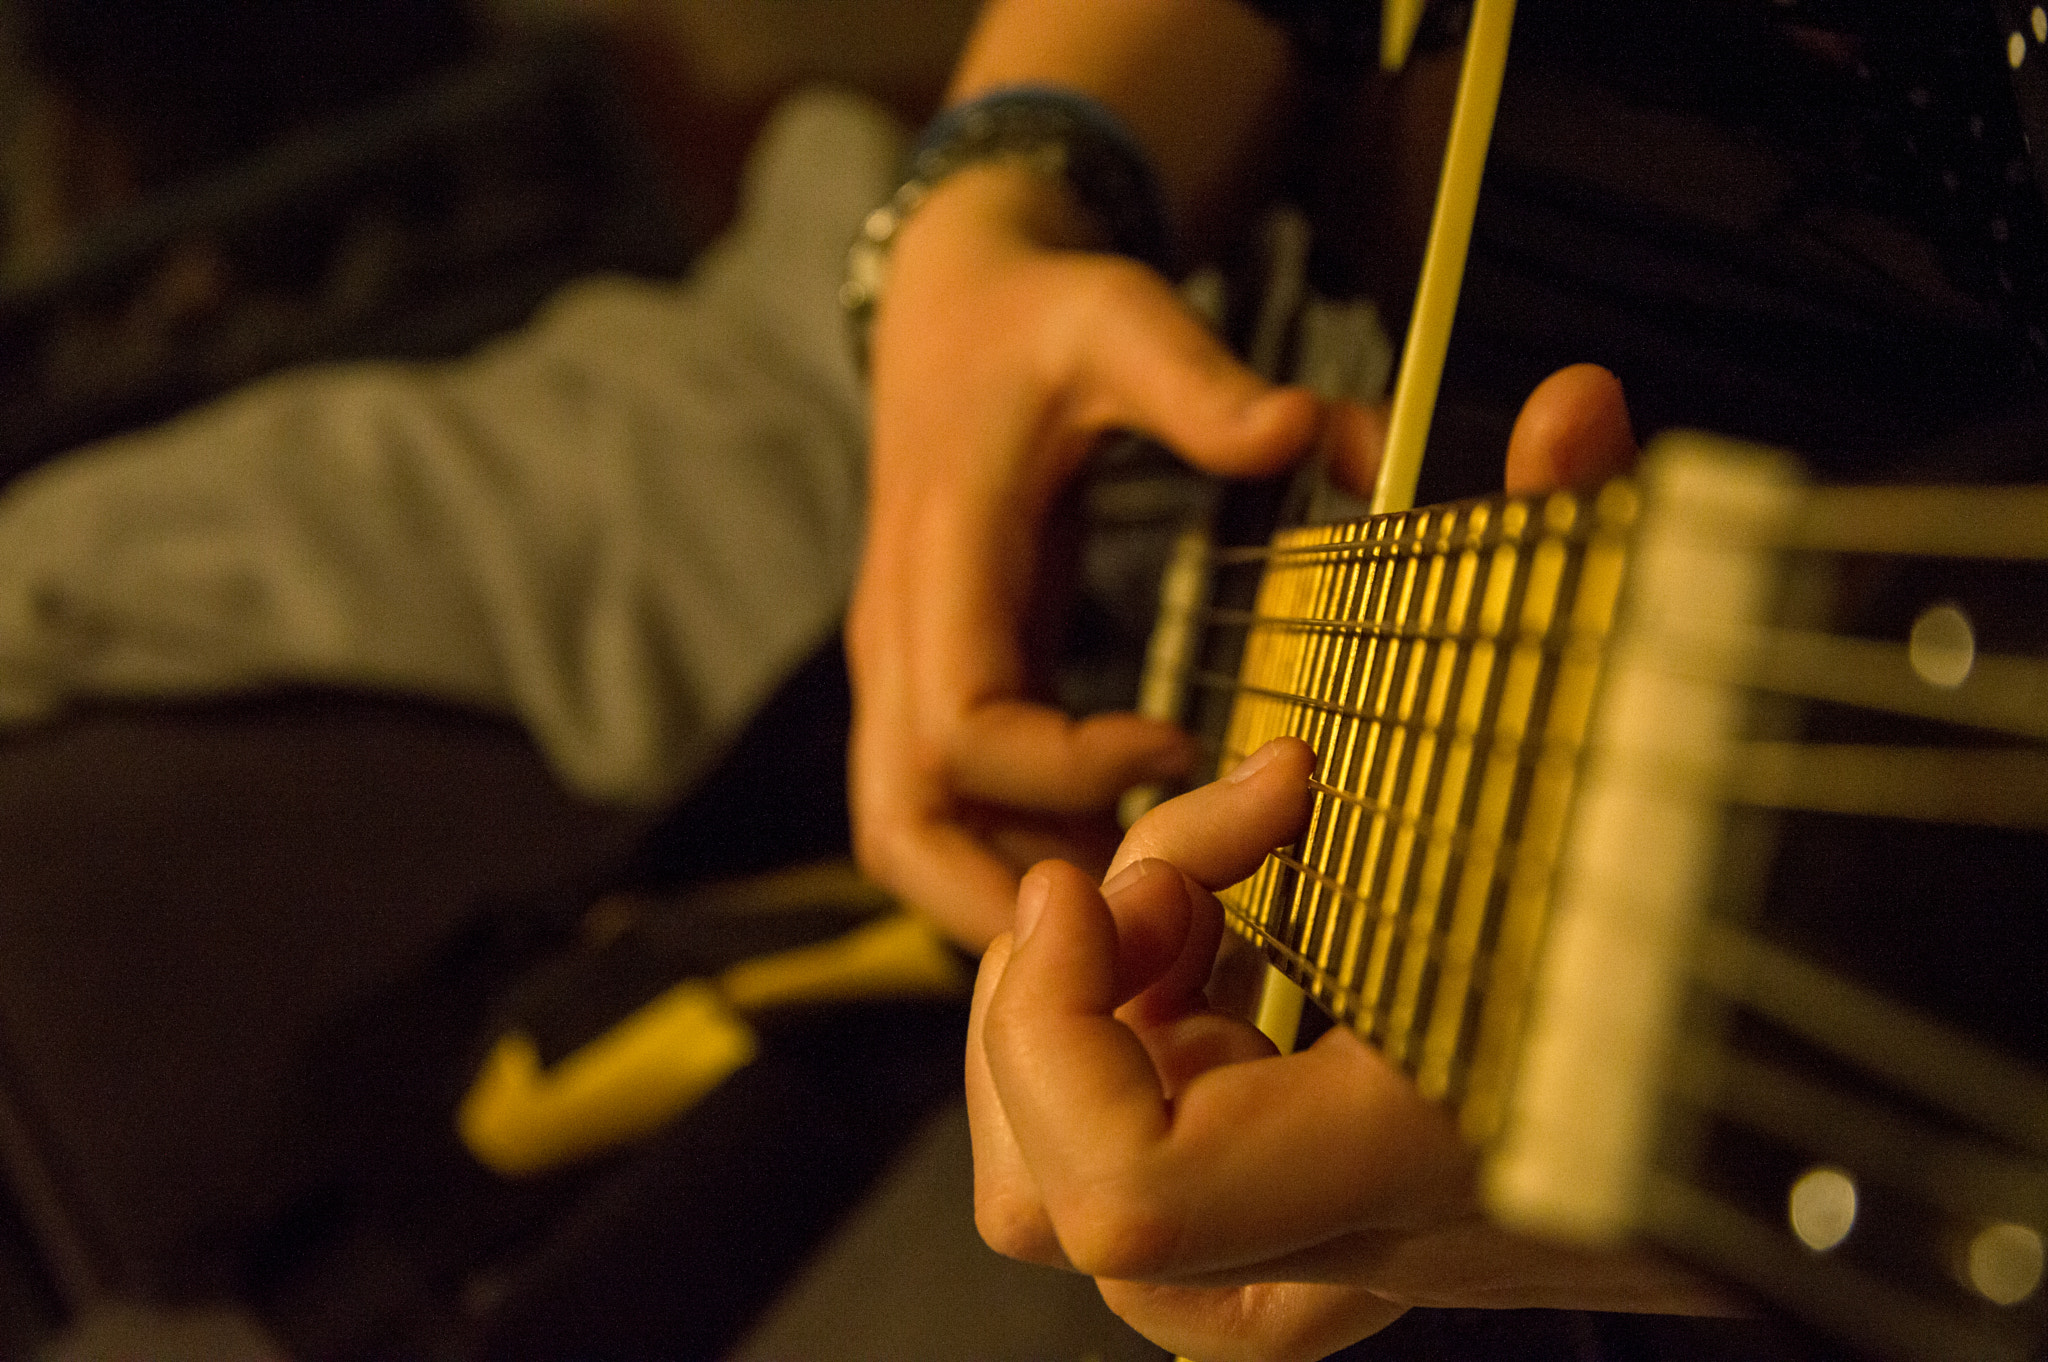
(250, 949)
(196, 194)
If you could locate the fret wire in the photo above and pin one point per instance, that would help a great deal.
(1472, 877)
(1292, 949)
(1375, 651)
(1479, 899)
(1390, 546)
(1388, 832)
(1922, 522)
(1372, 653)
(1255, 718)
(1333, 734)
(1308, 586)
(1222, 618)
(1329, 990)
(1352, 574)
(1467, 692)
(1281, 664)
(1561, 704)
(1381, 762)
(1489, 777)
(1340, 578)
(1367, 766)
(1427, 685)
(1385, 854)
(1345, 892)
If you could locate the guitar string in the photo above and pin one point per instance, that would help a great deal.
(1969, 1179)
(1381, 658)
(1353, 989)
(1447, 768)
(1371, 899)
(1379, 584)
(2000, 1109)
(1406, 947)
(1397, 771)
(2006, 707)
(1983, 787)
(1316, 916)
(1348, 583)
(1450, 533)
(2004, 693)
(1343, 897)
(1394, 931)
(1221, 618)
(2004, 523)
(1336, 658)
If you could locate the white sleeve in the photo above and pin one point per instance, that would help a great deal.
(623, 524)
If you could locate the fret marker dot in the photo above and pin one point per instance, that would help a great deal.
(2005, 1263)
(1822, 1208)
(2040, 24)
(2015, 50)
(1943, 647)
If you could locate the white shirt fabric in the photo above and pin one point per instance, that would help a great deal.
(623, 524)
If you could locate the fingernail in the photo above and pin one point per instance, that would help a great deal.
(1031, 896)
(1253, 764)
(1125, 878)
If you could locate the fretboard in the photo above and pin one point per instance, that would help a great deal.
(1441, 664)
(1609, 785)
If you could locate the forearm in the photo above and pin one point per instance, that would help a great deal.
(1201, 83)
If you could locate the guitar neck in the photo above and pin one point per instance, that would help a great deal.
(1552, 735)
(1440, 662)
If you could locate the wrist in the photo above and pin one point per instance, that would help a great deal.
(998, 205)
(987, 153)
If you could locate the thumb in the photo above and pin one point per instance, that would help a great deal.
(1149, 364)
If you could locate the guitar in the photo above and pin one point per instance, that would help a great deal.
(1602, 780)
(1687, 838)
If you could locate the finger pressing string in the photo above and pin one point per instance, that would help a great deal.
(1220, 832)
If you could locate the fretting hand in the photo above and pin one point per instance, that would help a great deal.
(1003, 351)
(1232, 1203)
